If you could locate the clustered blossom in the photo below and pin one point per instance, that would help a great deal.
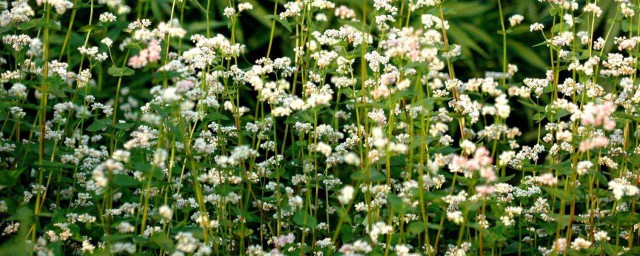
(346, 194)
(60, 6)
(146, 56)
(107, 17)
(622, 187)
(515, 19)
(356, 132)
(599, 115)
(20, 12)
(93, 53)
(536, 27)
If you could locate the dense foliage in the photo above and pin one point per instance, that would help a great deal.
(317, 127)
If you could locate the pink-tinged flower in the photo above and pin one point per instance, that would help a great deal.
(488, 174)
(457, 163)
(484, 190)
(480, 162)
(482, 156)
(154, 51)
(548, 179)
(597, 115)
(592, 143)
(560, 245)
(149, 54)
(185, 85)
(283, 240)
(137, 62)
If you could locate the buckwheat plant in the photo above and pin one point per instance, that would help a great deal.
(318, 127)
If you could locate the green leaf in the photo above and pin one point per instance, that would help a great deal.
(249, 216)
(97, 125)
(512, 248)
(415, 227)
(468, 9)
(31, 24)
(608, 249)
(373, 175)
(175, 130)
(532, 106)
(557, 193)
(244, 232)
(122, 180)
(622, 217)
(537, 117)
(526, 54)
(162, 240)
(9, 177)
(346, 234)
(139, 165)
(123, 126)
(53, 164)
(556, 116)
(18, 246)
(633, 251)
(285, 23)
(396, 203)
(88, 28)
(309, 222)
(461, 37)
(564, 168)
(118, 72)
(635, 159)
(479, 34)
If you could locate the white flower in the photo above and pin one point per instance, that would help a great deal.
(346, 194)
(455, 216)
(123, 247)
(11, 228)
(87, 247)
(324, 149)
(18, 90)
(170, 95)
(560, 245)
(61, 6)
(579, 244)
(107, 17)
(107, 41)
(126, 227)
(291, 9)
(515, 19)
(352, 159)
(536, 27)
(378, 229)
(378, 116)
(583, 167)
(17, 112)
(165, 211)
(405, 84)
(468, 147)
(296, 202)
(601, 236)
(621, 187)
(507, 221)
(375, 60)
(244, 6)
(593, 8)
(229, 11)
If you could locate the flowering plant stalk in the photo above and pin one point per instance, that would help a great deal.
(384, 127)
